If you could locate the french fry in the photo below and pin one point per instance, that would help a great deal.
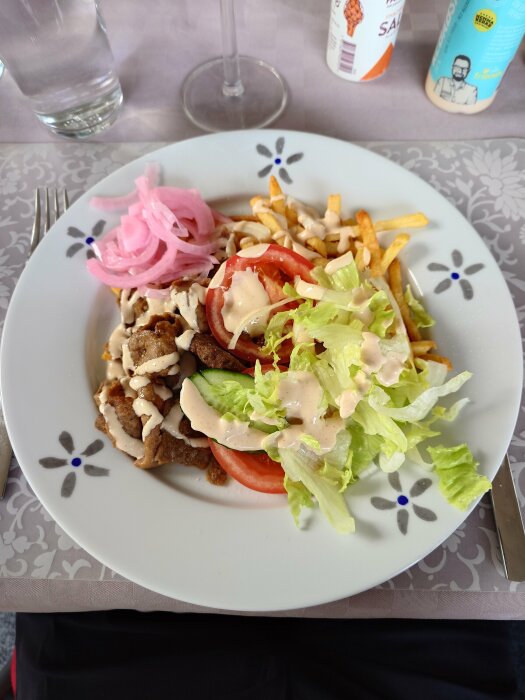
(409, 221)
(331, 248)
(295, 229)
(247, 242)
(286, 241)
(369, 239)
(396, 285)
(362, 258)
(315, 243)
(256, 201)
(334, 203)
(274, 221)
(437, 358)
(291, 216)
(270, 220)
(320, 262)
(254, 229)
(243, 217)
(393, 249)
(349, 222)
(277, 200)
(422, 347)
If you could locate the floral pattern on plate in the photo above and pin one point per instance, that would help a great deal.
(456, 274)
(402, 503)
(74, 462)
(278, 160)
(84, 240)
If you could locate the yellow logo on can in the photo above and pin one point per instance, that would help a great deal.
(484, 20)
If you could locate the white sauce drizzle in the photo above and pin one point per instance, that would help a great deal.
(119, 336)
(127, 362)
(138, 382)
(301, 395)
(114, 370)
(158, 364)
(171, 425)
(183, 341)
(123, 441)
(243, 300)
(388, 368)
(205, 419)
(142, 407)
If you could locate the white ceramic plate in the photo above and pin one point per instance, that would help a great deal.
(169, 529)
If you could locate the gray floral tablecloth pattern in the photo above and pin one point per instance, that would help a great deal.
(42, 569)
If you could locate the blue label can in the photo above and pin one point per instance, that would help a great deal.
(478, 41)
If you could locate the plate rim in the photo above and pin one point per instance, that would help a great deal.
(151, 156)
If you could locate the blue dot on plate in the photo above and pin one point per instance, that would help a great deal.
(76, 461)
(277, 161)
(90, 240)
(455, 275)
(402, 500)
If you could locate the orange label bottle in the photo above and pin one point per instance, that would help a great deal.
(361, 37)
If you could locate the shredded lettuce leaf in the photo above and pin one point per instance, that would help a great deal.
(459, 481)
(303, 466)
(298, 498)
(420, 315)
(383, 425)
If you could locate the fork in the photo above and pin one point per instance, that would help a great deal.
(51, 213)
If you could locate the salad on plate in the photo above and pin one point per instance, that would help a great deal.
(281, 348)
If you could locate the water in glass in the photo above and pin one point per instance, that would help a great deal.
(59, 55)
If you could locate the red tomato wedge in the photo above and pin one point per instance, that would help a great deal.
(275, 267)
(255, 470)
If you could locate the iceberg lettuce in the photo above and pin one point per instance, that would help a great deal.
(421, 317)
(459, 481)
(385, 421)
(303, 466)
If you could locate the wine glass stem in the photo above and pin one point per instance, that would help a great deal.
(232, 86)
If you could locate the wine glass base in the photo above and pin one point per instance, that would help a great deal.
(262, 101)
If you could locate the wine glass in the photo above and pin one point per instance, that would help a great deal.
(233, 92)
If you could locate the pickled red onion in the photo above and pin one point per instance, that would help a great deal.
(167, 233)
(151, 173)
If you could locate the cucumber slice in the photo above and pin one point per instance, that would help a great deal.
(218, 376)
(207, 378)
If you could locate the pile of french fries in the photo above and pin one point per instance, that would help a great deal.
(277, 219)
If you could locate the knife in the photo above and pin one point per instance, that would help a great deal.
(509, 523)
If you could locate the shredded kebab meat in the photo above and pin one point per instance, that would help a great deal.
(159, 341)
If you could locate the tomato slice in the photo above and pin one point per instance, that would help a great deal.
(255, 470)
(275, 267)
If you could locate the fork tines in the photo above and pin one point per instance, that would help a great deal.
(50, 215)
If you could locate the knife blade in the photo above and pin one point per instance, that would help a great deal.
(509, 523)
(6, 453)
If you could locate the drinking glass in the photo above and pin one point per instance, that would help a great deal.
(233, 92)
(58, 53)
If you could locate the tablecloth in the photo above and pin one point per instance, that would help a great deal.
(42, 569)
(157, 45)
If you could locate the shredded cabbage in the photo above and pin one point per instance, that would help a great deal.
(384, 422)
